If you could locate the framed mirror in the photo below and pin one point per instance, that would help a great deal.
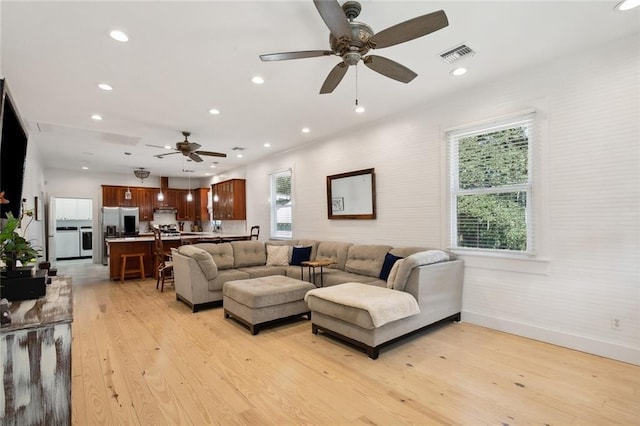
(352, 195)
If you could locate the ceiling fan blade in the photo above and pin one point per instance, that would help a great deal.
(168, 153)
(334, 17)
(212, 154)
(389, 68)
(195, 157)
(295, 55)
(409, 30)
(334, 78)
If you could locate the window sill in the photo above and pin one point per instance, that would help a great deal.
(523, 264)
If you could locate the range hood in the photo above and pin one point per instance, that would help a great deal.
(164, 185)
(165, 209)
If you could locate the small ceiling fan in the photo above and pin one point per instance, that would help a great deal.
(352, 40)
(189, 149)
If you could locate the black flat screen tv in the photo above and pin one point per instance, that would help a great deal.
(13, 153)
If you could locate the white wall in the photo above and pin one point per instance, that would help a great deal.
(588, 193)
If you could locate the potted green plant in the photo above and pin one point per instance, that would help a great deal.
(17, 281)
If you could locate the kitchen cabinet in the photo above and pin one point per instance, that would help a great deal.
(231, 204)
(73, 209)
(83, 209)
(147, 199)
(114, 196)
(201, 201)
(110, 196)
(185, 209)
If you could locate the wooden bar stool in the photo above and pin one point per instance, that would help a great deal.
(123, 265)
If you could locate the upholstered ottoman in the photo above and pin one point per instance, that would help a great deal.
(257, 301)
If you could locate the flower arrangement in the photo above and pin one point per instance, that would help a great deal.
(14, 247)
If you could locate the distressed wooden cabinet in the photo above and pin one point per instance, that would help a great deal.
(231, 196)
(35, 350)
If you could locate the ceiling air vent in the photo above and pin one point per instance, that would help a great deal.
(238, 148)
(457, 53)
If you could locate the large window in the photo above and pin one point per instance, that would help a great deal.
(490, 185)
(281, 204)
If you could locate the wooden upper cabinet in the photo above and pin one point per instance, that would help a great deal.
(186, 209)
(201, 198)
(114, 196)
(146, 202)
(143, 198)
(110, 196)
(231, 204)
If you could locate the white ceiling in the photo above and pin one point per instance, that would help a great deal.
(184, 58)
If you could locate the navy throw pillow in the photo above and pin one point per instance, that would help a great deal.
(300, 254)
(389, 260)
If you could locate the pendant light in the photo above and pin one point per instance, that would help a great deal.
(127, 194)
(189, 196)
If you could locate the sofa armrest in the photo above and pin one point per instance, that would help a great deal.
(189, 281)
(438, 287)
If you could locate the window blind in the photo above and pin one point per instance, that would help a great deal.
(491, 184)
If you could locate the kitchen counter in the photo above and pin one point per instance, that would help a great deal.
(145, 244)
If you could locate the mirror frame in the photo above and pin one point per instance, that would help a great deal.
(336, 178)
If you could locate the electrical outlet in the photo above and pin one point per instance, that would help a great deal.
(616, 323)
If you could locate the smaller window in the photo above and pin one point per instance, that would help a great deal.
(281, 217)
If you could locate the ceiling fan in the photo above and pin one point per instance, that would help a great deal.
(189, 149)
(352, 40)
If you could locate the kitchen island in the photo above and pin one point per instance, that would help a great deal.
(145, 243)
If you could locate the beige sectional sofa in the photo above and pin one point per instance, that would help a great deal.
(433, 278)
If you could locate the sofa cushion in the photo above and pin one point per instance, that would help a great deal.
(398, 279)
(226, 275)
(334, 251)
(299, 255)
(309, 243)
(203, 258)
(222, 253)
(249, 253)
(389, 261)
(277, 255)
(366, 259)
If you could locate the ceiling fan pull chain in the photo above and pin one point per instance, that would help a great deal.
(356, 84)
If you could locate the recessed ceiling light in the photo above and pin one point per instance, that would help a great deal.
(214, 111)
(359, 109)
(96, 117)
(239, 156)
(167, 147)
(459, 71)
(105, 86)
(213, 166)
(85, 168)
(119, 36)
(305, 130)
(257, 80)
(627, 5)
(267, 145)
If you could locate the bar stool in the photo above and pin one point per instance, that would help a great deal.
(123, 265)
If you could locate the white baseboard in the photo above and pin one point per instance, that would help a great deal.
(555, 337)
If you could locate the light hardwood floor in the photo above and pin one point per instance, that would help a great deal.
(142, 358)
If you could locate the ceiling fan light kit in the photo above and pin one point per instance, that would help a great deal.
(352, 40)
